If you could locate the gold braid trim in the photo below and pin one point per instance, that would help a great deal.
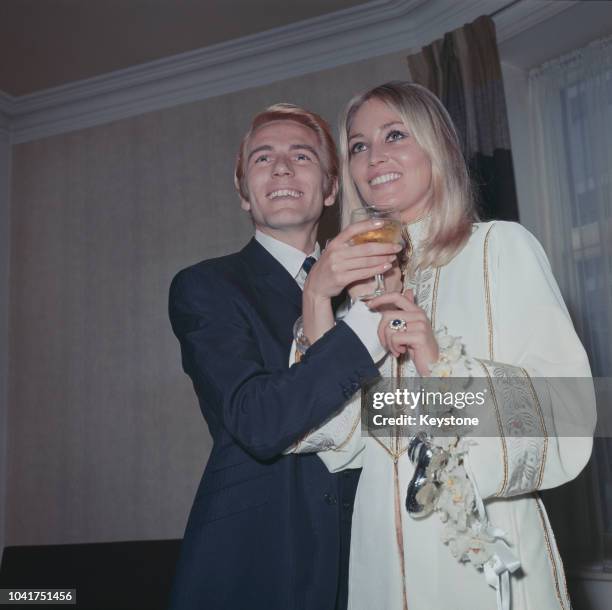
(399, 532)
(551, 557)
(487, 290)
(543, 423)
(500, 427)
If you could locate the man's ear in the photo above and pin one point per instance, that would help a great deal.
(329, 200)
(244, 203)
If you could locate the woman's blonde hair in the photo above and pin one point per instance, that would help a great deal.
(452, 206)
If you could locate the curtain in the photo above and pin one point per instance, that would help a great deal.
(571, 127)
(464, 71)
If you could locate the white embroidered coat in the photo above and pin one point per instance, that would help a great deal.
(499, 295)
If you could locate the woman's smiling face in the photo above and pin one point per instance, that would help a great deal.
(389, 168)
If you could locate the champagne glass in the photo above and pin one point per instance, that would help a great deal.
(389, 233)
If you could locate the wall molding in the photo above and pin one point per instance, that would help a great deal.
(369, 30)
(527, 14)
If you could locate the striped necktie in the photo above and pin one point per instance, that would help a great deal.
(300, 278)
(308, 263)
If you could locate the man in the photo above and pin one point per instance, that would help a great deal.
(269, 531)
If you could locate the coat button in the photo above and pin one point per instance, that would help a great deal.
(330, 499)
(347, 506)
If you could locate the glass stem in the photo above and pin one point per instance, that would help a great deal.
(380, 285)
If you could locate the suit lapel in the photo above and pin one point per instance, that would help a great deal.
(269, 274)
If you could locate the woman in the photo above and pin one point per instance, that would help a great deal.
(477, 300)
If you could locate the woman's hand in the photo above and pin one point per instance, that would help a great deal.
(342, 264)
(417, 338)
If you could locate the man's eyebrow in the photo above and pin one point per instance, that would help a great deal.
(360, 135)
(307, 147)
(258, 149)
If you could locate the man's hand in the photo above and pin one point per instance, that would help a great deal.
(342, 264)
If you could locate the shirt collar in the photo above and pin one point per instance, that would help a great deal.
(289, 257)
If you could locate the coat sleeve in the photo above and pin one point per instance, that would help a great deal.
(265, 410)
(541, 399)
(338, 441)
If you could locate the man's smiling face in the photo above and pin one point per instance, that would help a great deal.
(285, 178)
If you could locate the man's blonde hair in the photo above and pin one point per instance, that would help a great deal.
(452, 206)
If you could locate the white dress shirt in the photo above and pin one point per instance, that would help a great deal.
(289, 257)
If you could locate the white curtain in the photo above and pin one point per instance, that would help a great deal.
(571, 119)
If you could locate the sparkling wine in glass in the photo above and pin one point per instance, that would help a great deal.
(389, 233)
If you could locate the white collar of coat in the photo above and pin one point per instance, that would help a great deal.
(418, 228)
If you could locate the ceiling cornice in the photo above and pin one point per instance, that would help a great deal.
(525, 15)
(376, 28)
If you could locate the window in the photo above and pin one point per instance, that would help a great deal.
(571, 113)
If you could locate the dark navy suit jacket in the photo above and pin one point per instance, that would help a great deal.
(265, 530)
